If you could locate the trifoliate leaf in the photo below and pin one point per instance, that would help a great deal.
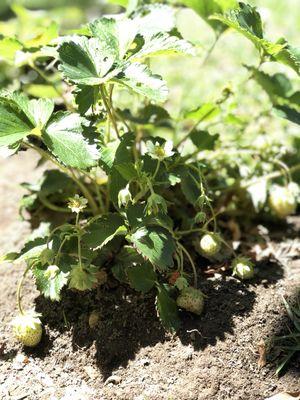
(142, 277)
(64, 138)
(167, 310)
(83, 278)
(50, 283)
(103, 230)
(139, 78)
(156, 245)
(87, 61)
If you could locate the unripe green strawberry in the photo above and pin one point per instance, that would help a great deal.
(27, 329)
(191, 299)
(210, 244)
(282, 201)
(243, 268)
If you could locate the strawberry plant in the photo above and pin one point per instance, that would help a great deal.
(139, 191)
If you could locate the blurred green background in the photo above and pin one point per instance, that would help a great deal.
(190, 81)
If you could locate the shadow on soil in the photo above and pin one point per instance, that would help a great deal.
(128, 320)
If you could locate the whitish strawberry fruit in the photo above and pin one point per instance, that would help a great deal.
(243, 268)
(27, 329)
(210, 244)
(282, 201)
(191, 299)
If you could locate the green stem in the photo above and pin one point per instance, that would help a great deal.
(270, 176)
(86, 193)
(156, 170)
(188, 232)
(19, 289)
(52, 206)
(191, 262)
(210, 50)
(108, 110)
(79, 240)
(57, 257)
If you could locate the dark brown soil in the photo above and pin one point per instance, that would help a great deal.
(127, 355)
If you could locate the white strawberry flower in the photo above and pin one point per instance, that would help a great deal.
(77, 203)
(160, 151)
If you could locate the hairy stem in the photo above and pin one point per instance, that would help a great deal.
(191, 262)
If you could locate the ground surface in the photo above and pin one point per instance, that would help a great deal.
(127, 355)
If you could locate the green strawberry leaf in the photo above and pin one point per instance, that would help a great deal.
(21, 117)
(126, 258)
(167, 310)
(83, 278)
(50, 285)
(142, 277)
(64, 137)
(84, 98)
(288, 55)
(105, 29)
(247, 21)
(103, 230)
(203, 140)
(153, 19)
(288, 113)
(139, 78)
(163, 44)
(14, 125)
(155, 244)
(87, 61)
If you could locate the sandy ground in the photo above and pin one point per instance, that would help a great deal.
(127, 355)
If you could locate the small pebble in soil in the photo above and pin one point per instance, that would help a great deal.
(113, 379)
